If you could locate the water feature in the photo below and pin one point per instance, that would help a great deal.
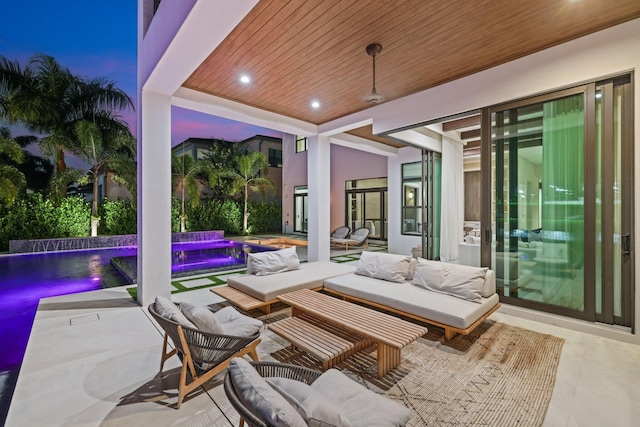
(25, 278)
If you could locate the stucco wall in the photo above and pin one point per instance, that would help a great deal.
(346, 164)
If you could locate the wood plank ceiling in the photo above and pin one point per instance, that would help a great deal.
(297, 51)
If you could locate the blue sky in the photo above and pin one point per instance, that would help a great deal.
(94, 38)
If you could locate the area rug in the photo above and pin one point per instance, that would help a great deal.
(499, 375)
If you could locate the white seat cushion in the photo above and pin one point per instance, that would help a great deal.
(361, 406)
(309, 276)
(406, 297)
(237, 324)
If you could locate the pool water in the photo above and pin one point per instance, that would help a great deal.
(26, 278)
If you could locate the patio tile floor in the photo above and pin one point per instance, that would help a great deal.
(93, 360)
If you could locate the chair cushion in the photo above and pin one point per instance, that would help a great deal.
(202, 317)
(258, 396)
(360, 234)
(362, 407)
(167, 309)
(237, 324)
(340, 233)
(383, 266)
(314, 407)
(272, 262)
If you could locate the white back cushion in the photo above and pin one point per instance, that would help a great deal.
(383, 266)
(167, 309)
(452, 279)
(272, 262)
(202, 317)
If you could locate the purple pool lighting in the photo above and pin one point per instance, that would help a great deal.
(190, 258)
(26, 278)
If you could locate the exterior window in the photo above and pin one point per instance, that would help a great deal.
(275, 158)
(302, 144)
(412, 198)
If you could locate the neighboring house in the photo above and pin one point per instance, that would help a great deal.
(198, 148)
(270, 146)
(546, 96)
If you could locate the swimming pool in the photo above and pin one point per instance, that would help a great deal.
(25, 278)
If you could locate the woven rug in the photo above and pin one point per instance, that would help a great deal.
(499, 375)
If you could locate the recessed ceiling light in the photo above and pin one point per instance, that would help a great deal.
(315, 104)
(245, 79)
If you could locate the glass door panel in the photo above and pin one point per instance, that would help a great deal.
(372, 211)
(538, 164)
(561, 184)
(301, 212)
(355, 217)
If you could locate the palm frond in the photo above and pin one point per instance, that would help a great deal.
(11, 182)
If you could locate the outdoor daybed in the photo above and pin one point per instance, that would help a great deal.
(270, 274)
(454, 297)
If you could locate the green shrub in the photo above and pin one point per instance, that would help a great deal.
(215, 214)
(265, 217)
(73, 217)
(118, 217)
(36, 218)
(175, 216)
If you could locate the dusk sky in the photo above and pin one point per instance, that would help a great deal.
(99, 39)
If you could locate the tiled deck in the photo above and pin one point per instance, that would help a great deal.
(93, 360)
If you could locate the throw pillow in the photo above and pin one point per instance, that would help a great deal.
(460, 281)
(429, 274)
(272, 262)
(257, 395)
(464, 282)
(202, 317)
(389, 267)
(167, 309)
(314, 407)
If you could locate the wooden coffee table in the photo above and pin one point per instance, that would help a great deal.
(332, 329)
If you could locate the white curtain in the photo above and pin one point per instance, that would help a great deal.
(452, 204)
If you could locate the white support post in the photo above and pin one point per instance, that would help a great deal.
(154, 197)
(319, 193)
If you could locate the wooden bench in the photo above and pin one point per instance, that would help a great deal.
(390, 333)
(325, 342)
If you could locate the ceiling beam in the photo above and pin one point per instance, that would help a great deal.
(470, 134)
(462, 123)
(472, 144)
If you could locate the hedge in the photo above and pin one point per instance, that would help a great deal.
(36, 218)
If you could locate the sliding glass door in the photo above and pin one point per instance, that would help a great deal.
(561, 221)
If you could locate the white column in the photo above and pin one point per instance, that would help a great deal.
(319, 194)
(154, 197)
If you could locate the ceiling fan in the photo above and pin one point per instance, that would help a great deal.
(373, 50)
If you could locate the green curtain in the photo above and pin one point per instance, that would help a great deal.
(563, 176)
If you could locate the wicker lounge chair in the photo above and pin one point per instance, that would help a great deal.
(266, 369)
(203, 354)
(360, 237)
(341, 233)
(349, 403)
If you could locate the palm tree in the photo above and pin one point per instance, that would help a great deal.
(102, 148)
(11, 179)
(247, 177)
(186, 174)
(47, 98)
